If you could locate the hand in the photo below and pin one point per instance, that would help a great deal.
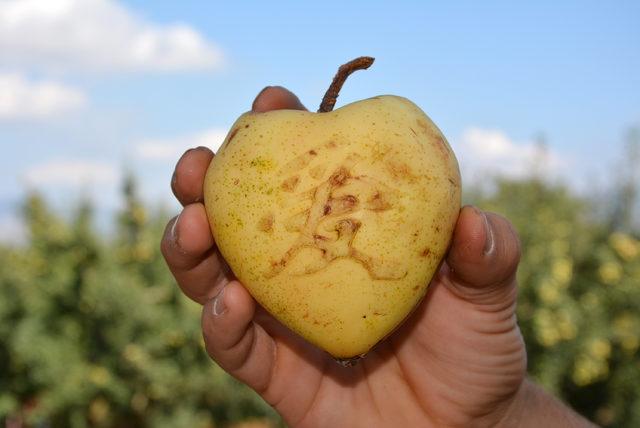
(459, 360)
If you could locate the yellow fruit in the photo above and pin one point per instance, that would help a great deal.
(335, 221)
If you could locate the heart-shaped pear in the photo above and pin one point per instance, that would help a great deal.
(335, 221)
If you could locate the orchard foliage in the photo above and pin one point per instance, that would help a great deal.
(94, 331)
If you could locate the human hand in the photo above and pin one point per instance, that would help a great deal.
(459, 360)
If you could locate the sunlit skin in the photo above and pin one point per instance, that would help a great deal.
(459, 360)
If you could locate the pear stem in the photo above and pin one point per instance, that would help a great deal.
(349, 362)
(331, 96)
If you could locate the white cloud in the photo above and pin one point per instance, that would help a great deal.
(20, 98)
(71, 173)
(96, 35)
(172, 149)
(483, 151)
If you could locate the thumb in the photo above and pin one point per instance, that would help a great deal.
(483, 259)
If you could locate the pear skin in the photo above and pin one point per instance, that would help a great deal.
(335, 222)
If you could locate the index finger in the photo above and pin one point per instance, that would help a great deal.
(276, 98)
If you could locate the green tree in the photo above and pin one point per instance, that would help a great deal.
(625, 199)
(95, 332)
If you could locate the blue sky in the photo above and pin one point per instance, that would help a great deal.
(89, 87)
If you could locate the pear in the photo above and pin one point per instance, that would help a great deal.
(335, 221)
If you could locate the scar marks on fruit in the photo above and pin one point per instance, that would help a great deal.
(329, 228)
(436, 137)
(302, 161)
(341, 205)
(379, 202)
(233, 134)
(227, 141)
(293, 168)
(423, 125)
(339, 177)
(290, 184)
(296, 222)
(266, 223)
(299, 162)
(317, 172)
(400, 171)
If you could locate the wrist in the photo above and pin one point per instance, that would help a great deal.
(534, 407)
(514, 414)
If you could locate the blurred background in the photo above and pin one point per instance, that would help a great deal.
(99, 98)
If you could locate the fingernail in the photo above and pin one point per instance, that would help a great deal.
(174, 180)
(217, 304)
(489, 243)
(174, 231)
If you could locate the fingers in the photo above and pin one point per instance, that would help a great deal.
(234, 341)
(188, 248)
(276, 98)
(188, 177)
(484, 257)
